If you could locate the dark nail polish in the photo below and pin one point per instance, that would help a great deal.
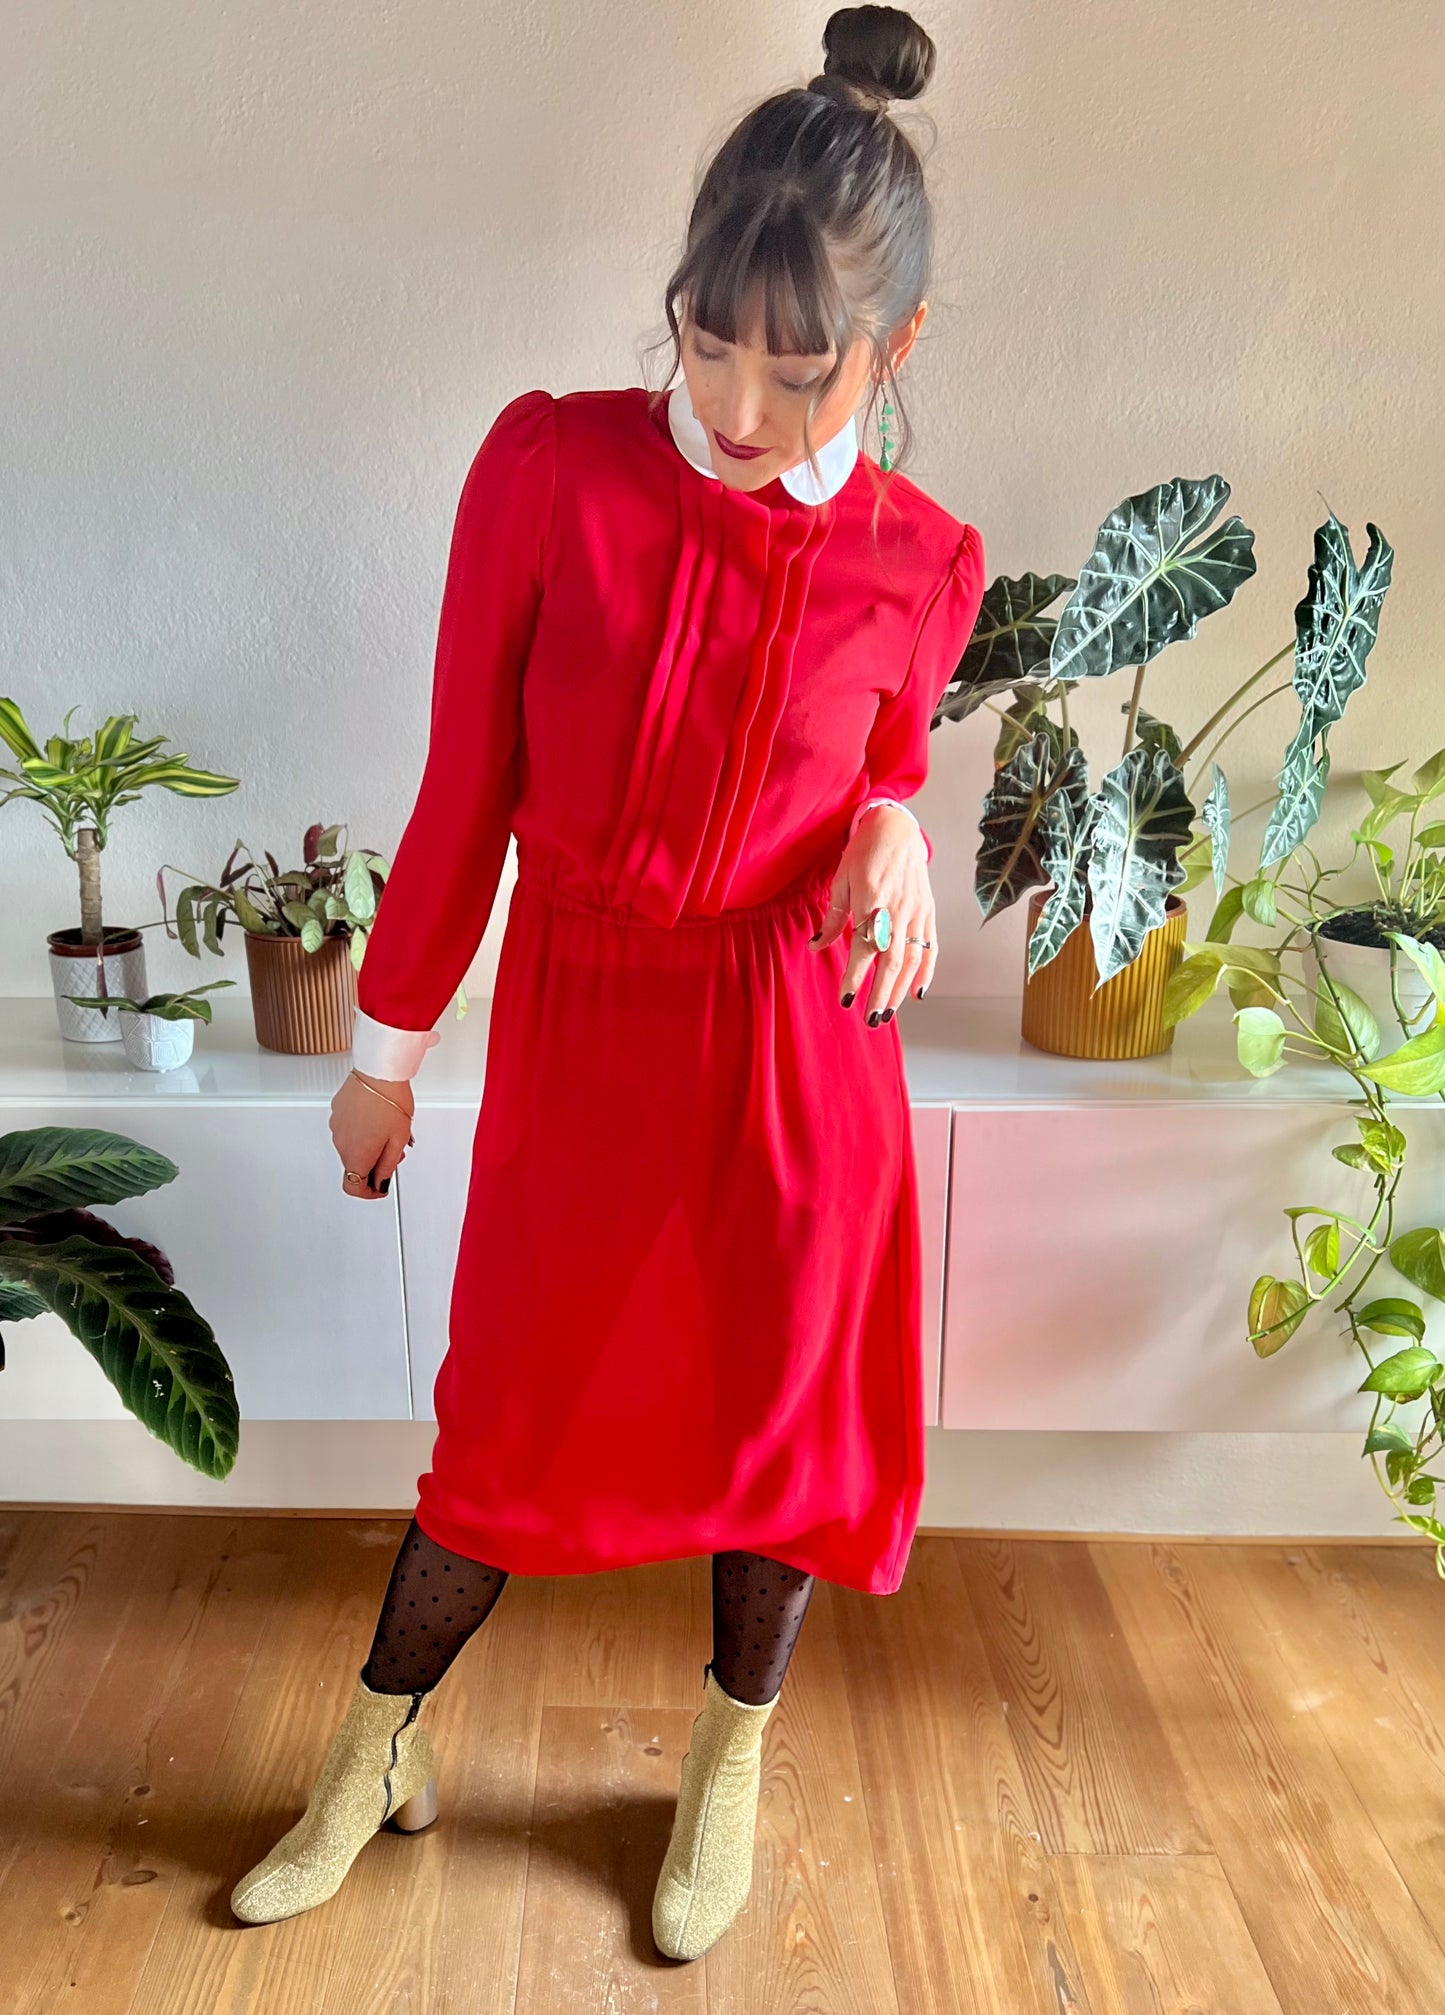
(873, 1019)
(887, 1014)
(815, 937)
(921, 992)
(383, 1187)
(847, 1000)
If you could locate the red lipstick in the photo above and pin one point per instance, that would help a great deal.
(736, 450)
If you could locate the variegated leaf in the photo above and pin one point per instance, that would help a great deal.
(1142, 828)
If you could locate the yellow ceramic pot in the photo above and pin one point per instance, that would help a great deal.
(1063, 1012)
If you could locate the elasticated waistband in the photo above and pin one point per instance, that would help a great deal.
(547, 877)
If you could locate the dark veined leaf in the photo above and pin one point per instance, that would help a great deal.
(1010, 643)
(53, 1167)
(1155, 734)
(1066, 833)
(1142, 827)
(1155, 572)
(1406, 1375)
(1215, 812)
(157, 1352)
(1009, 861)
(1301, 793)
(1337, 621)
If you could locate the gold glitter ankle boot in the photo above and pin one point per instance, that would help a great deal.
(379, 1769)
(708, 1869)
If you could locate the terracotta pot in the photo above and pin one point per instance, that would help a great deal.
(116, 967)
(1062, 1012)
(303, 1003)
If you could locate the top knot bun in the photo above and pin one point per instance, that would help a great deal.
(873, 55)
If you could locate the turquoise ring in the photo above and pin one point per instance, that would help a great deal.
(880, 930)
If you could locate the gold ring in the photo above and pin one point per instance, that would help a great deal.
(354, 1175)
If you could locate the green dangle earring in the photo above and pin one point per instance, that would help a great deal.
(885, 430)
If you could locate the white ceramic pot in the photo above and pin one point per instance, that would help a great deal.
(77, 969)
(1367, 970)
(154, 1043)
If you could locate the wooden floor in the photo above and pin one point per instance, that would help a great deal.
(1045, 1778)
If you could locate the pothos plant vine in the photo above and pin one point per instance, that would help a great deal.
(1112, 857)
(1279, 1016)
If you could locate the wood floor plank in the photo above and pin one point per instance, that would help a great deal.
(1100, 1774)
(813, 1934)
(974, 1925)
(138, 1755)
(606, 1782)
(1328, 1911)
(1161, 1932)
(641, 1634)
(443, 1930)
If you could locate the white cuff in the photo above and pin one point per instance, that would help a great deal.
(380, 1050)
(879, 801)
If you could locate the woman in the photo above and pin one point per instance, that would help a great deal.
(690, 648)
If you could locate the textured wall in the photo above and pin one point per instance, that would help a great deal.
(270, 271)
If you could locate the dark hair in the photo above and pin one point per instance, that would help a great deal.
(814, 208)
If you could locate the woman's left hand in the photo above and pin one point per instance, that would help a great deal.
(885, 864)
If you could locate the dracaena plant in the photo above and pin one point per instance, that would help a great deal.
(1113, 856)
(79, 783)
(334, 893)
(1288, 1006)
(116, 1294)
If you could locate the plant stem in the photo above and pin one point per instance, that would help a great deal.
(1263, 700)
(1219, 713)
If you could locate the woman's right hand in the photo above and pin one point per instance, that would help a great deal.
(370, 1136)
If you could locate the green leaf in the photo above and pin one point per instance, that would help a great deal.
(1337, 621)
(1416, 1069)
(247, 914)
(1155, 572)
(1010, 644)
(1302, 781)
(1430, 778)
(1155, 734)
(1352, 1156)
(1382, 1142)
(1406, 1375)
(360, 891)
(1431, 1527)
(1376, 782)
(1261, 1040)
(1066, 833)
(1343, 1022)
(1385, 1437)
(18, 1304)
(1431, 836)
(312, 932)
(1276, 1310)
(157, 1352)
(54, 1167)
(1189, 986)
(1420, 1490)
(1420, 1257)
(1259, 901)
(1322, 1249)
(1143, 823)
(1227, 914)
(1426, 960)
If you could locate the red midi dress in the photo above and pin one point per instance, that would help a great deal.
(686, 1313)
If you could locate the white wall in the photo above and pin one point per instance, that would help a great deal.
(271, 270)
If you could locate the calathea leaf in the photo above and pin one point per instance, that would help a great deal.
(158, 1353)
(1142, 827)
(1215, 813)
(1064, 834)
(52, 1167)
(1009, 858)
(18, 1303)
(1156, 570)
(1010, 643)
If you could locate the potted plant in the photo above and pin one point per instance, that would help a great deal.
(116, 1293)
(1290, 1002)
(78, 784)
(305, 933)
(1109, 868)
(157, 1031)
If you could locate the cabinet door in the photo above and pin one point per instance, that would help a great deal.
(432, 1186)
(932, 1130)
(1100, 1261)
(300, 1282)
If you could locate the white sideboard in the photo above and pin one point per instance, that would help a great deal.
(1091, 1230)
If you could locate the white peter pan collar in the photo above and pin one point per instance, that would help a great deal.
(835, 458)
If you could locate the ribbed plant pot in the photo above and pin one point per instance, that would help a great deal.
(117, 968)
(1125, 1017)
(303, 1003)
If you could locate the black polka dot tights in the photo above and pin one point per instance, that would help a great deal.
(435, 1599)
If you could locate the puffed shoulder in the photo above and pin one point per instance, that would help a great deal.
(511, 487)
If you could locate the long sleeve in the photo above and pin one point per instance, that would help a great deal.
(898, 742)
(443, 880)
